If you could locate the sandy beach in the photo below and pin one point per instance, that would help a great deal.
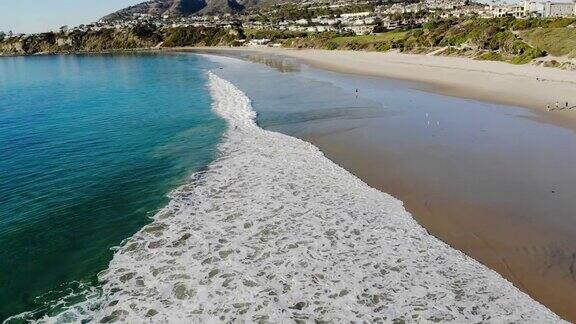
(273, 231)
(527, 86)
(479, 176)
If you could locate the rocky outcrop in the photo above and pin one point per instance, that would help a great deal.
(138, 37)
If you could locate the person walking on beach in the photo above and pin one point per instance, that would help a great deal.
(557, 105)
(547, 107)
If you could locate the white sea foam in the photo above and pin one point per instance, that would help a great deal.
(274, 231)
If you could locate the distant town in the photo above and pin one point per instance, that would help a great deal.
(532, 31)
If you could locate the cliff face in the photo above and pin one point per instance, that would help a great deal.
(103, 40)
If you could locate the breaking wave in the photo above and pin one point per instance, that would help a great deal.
(273, 231)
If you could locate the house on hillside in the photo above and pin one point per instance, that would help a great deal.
(508, 10)
(558, 9)
(539, 8)
(362, 29)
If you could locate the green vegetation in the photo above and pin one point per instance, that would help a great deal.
(273, 35)
(369, 39)
(489, 39)
(490, 56)
(523, 24)
(555, 41)
(517, 41)
(111, 39)
(480, 38)
(90, 41)
(143, 36)
(333, 41)
(199, 36)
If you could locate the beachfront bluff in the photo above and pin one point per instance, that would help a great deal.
(509, 39)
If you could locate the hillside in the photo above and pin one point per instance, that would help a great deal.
(498, 39)
(555, 41)
(112, 39)
(188, 7)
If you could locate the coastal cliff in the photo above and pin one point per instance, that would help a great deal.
(110, 39)
(545, 42)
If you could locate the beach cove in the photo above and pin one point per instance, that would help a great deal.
(273, 230)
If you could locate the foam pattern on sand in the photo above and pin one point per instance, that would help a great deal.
(274, 231)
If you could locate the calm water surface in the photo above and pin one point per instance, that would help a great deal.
(496, 182)
(89, 148)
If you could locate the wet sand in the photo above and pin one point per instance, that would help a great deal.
(496, 182)
(537, 259)
(534, 87)
(503, 196)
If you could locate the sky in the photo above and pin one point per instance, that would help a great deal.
(32, 16)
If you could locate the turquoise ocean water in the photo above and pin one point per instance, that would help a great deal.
(90, 146)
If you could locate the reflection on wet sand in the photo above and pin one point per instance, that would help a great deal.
(279, 63)
(528, 252)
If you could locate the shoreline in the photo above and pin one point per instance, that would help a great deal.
(527, 86)
(495, 82)
(355, 152)
(250, 249)
(279, 54)
(506, 296)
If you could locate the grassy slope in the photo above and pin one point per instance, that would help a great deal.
(368, 39)
(332, 41)
(485, 39)
(555, 41)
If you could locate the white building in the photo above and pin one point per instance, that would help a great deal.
(504, 10)
(534, 8)
(258, 42)
(361, 30)
(558, 9)
(302, 22)
(539, 8)
(356, 14)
